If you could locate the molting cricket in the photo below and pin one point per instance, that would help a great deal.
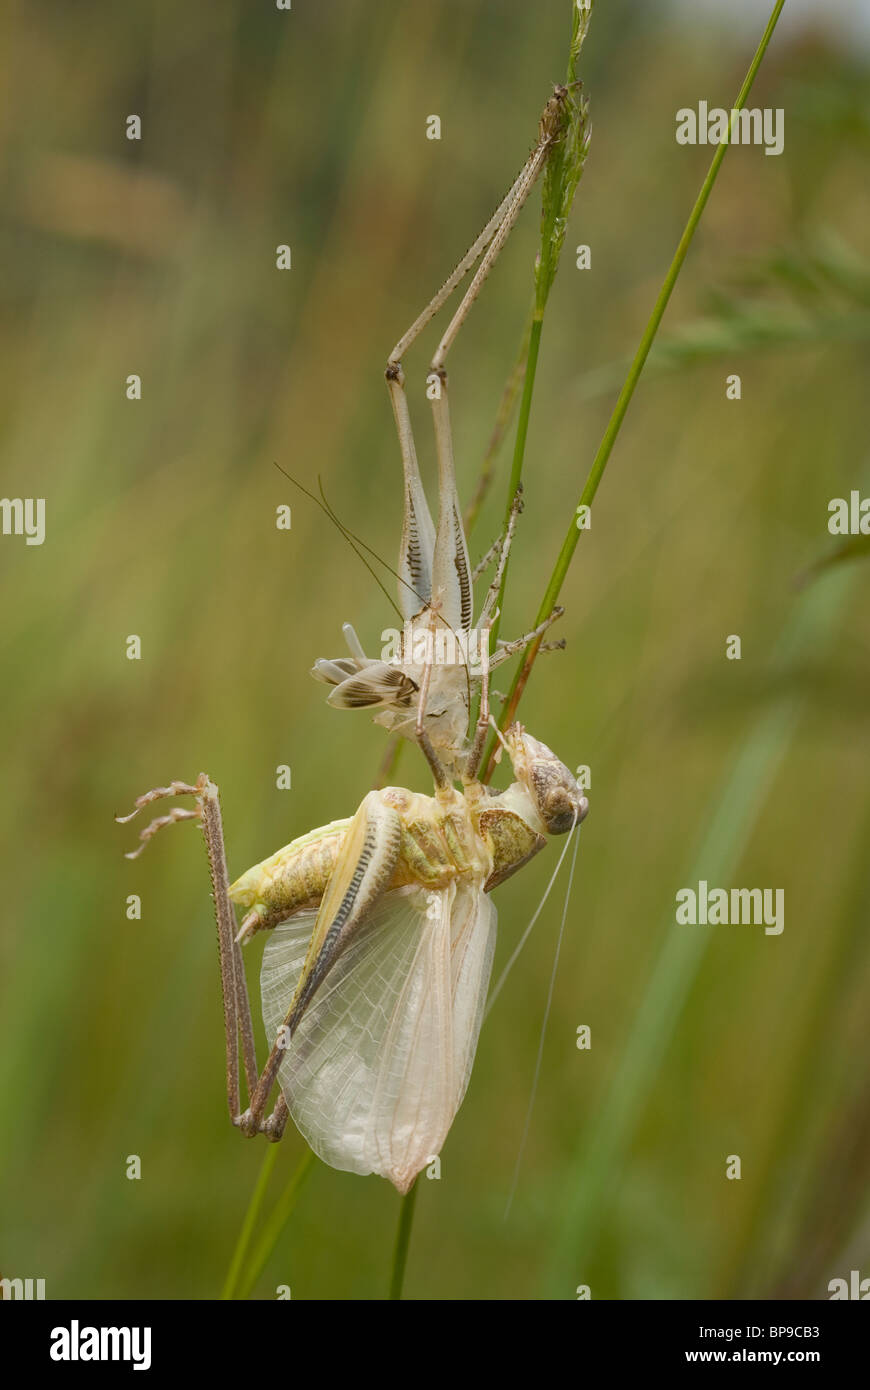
(453, 518)
(381, 926)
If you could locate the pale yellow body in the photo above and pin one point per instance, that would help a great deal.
(442, 838)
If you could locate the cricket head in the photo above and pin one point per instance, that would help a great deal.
(551, 787)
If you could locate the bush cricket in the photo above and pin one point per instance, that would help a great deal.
(382, 931)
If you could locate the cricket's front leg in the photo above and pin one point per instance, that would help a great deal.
(363, 871)
(238, 1025)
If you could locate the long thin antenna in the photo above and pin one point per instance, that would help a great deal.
(528, 1124)
(345, 533)
(500, 982)
(333, 514)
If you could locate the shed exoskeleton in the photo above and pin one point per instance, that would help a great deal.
(424, 689)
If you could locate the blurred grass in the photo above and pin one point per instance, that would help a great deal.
(730, 823)
(158, 259)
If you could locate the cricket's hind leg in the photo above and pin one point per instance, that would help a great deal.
(178, 813)
(362, 874)
(238, 1025)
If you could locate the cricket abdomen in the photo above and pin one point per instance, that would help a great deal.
(296, 877)
(290, 880)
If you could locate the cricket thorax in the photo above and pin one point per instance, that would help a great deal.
(512, 841)
(440, 841)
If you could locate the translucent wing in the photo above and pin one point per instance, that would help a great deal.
(380, 1062)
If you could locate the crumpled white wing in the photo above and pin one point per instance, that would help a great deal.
(380, 1062)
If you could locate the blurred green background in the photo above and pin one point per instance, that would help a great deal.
(158, 258)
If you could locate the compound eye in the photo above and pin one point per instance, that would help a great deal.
(559, 815)
(561, 809)
(559, 799)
